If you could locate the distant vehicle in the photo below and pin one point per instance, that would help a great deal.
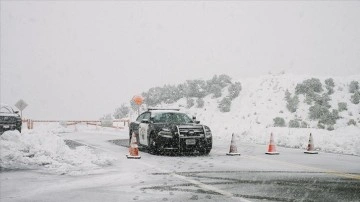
(9, 119)
(162, 130)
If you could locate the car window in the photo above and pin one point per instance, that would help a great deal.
(140, 117)
(146, 116)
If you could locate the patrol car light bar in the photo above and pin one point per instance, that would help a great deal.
(162, 109)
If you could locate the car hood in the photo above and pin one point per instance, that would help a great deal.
(173, 126)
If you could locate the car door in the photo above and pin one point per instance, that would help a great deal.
(144, 129)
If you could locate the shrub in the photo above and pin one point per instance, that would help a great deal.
(224, 80)
(351, 122)
(304, 124)
(354, 86)
(191, 88)
(330, 118)
(330, 90)
(153, 96)
(200, 103)
(196, 88)
(323, 114)
(323, 100)
(216, 90)
(309, 86)
(189, 103)
(287, 95)
(320, 125)
(292, 102)
(279, 122)
(294, 124)
(310, 97)
(169, 94)
(317, 111)
(330, 128)
(234, 90)
(355, 98)
(330, 82)
(342, 106)
(225, 104)
(182, 89)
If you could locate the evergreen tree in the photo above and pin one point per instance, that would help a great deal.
(279, 122)
(355, 98)
(225, 104)
(234, 90)
(354, 86)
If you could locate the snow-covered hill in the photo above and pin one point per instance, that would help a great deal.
(263, 98)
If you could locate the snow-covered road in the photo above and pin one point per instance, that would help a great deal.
(253, 176)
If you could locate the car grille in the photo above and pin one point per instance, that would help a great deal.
(8, 119)
(191, 132)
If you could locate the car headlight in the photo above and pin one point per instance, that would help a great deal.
(166, 132)
(208, 133)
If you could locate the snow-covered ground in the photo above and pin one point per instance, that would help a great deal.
(250, 119)
(44, 148)
(101, 172)
(262, 99)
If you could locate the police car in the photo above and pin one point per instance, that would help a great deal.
(161, 130)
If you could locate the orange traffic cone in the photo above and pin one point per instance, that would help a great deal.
(310, 148)
(233, 148)
(133, 149)
(272, 149)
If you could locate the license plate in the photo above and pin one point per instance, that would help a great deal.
(190, 141)
(6, 126)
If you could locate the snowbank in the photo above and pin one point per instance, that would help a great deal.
(33, 150)
(343, 140)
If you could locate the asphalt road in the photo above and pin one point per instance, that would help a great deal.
(253, 176)
(302, 182)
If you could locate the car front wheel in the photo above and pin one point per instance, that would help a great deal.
(205, 151)
(153, 149)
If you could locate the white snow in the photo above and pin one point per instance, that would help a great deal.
(45, 149)
(250, 119)
(262, 99)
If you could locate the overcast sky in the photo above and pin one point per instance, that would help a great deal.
(82, 59)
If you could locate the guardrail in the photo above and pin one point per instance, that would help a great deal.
(30, 122)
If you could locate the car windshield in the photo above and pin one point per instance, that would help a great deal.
(5, 109)
(171, 118)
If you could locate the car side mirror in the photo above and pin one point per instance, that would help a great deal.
(197, 122)
(145, 121)
(16, 112)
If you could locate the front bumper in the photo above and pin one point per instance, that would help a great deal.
(182, 143)
(9, 126)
